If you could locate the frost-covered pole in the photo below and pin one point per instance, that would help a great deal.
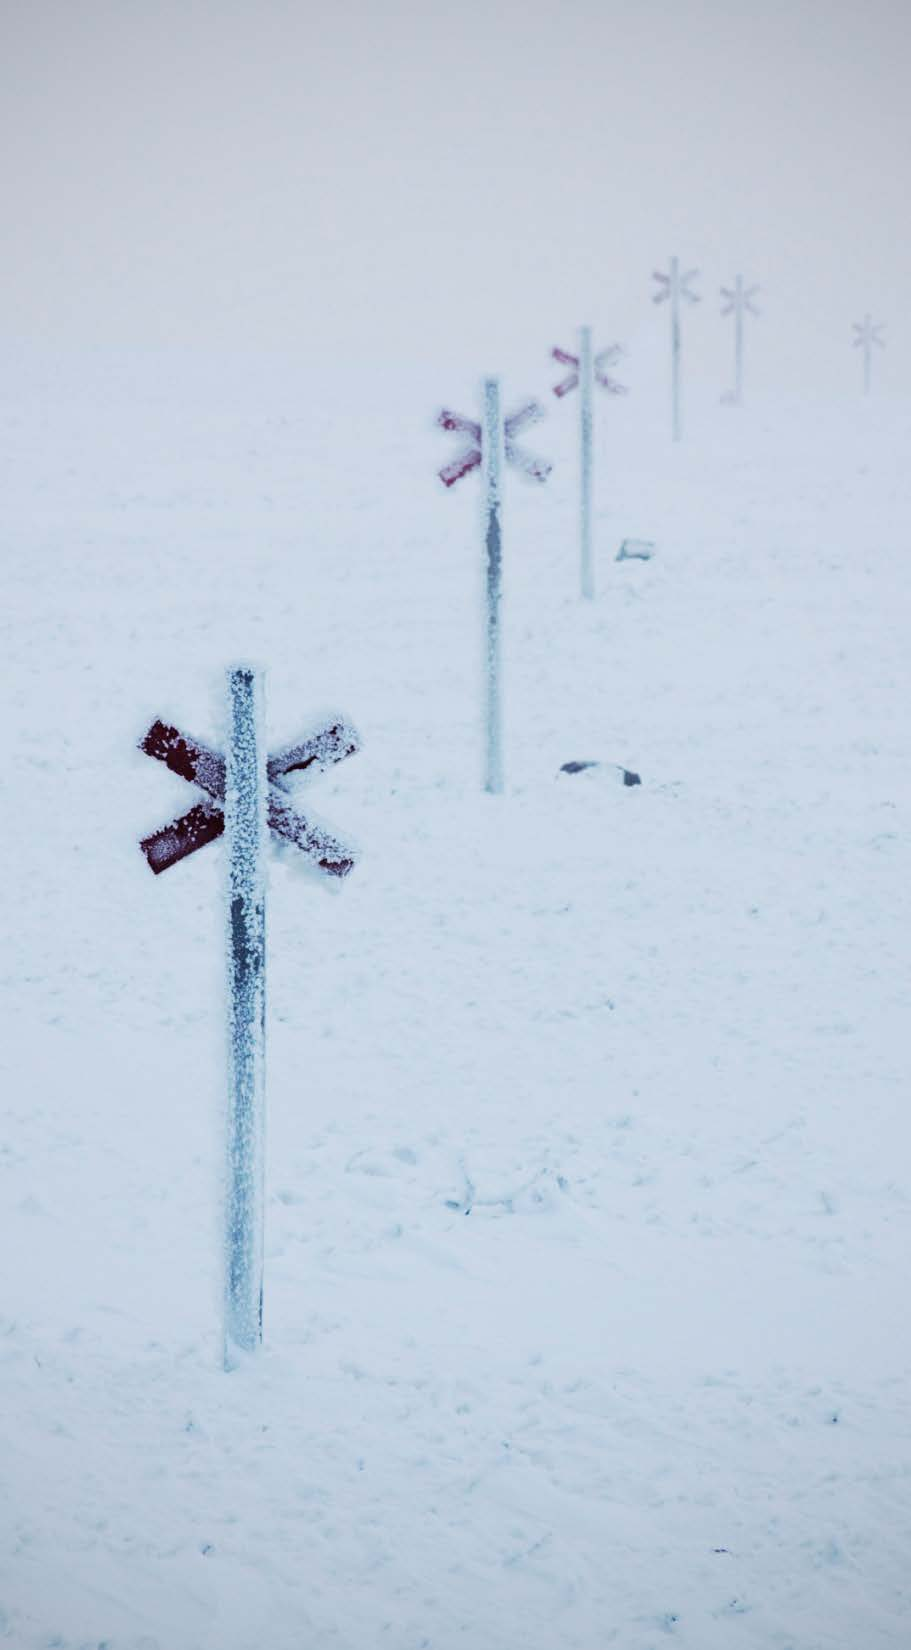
(587, 371)
(675, 349)
(586, 386)
(492, 459)
(245, 824)
(492, 445)
(738, 342)
(868, 334)
(243, 793)
(674, 287)
(737, 300)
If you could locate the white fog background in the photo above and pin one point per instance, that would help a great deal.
(452, 182)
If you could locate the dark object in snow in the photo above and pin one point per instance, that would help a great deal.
(629, 778)
(636, 550)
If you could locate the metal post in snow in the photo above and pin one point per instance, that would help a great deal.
(242, 793)
(674, 287)
(737, 300)
(738, 343)
(245, 823)
(492, 444)
(675, 348)
(868, 334)
(492, 450)
(585, 460)
(587, 371)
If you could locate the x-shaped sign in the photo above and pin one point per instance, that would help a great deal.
(868, 333)
(675, 285)
(206, 821)
(605, 358)
(531, 413)
(739, 298)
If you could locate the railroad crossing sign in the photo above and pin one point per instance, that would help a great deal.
(739, 298)
(738, 301)
(676, 285)
(244, 791)
(868, 333)
(671, 288)
(587, 370)
(605, 358)
(204, 767)
(491, 443)
(537, 468)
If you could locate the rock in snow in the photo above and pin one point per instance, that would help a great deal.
(627, 775)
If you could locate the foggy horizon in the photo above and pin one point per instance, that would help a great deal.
(361, 183)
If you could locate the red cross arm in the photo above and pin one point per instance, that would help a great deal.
(193, 761)
(610, 384)
(183, 836)
(531, 413)
(537, 468)
(564, 357)
(205, 823)
(459, 467)
(317, 844)
(454, 421)
(321, 750)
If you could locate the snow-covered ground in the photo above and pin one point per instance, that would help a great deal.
(588, 1196)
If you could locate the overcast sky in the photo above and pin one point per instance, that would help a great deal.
(357, 176)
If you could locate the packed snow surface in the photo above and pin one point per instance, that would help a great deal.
(587, 1225)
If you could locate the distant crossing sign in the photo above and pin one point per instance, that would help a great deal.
(671, 289)
(605, 358)
(531, 413)
(492, 443)
(586, 371)
(738, 301)
(868, 333)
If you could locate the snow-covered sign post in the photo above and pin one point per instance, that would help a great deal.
(492, 442)
(868, 334)
(737, 301)
(587, 370)
(672, 288)
(243, 794)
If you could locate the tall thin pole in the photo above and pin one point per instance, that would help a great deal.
(675, 347)
(738, 341)
(585, 460)
(868, 351)
(492, 457)
(245, 814)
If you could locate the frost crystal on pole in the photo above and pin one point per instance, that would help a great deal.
(737, 301)
(673, 287)
(587, 370)
(244, 794)
(868, 334)
(491, 443)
